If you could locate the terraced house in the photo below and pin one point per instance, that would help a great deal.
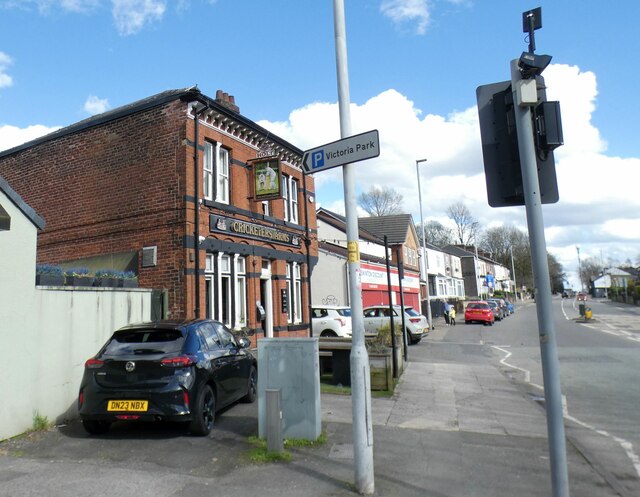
(203, 204)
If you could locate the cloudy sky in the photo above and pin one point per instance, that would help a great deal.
(414, 66)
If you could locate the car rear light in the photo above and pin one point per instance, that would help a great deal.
(127, 417)
(93, 363)
(80, 399)
(185, 397)
(415, 320)
(342, 321)
(177, 362)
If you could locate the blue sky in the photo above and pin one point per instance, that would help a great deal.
(414, 66)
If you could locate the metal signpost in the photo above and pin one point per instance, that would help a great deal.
(342, 153)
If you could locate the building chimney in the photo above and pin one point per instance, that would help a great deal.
(227, 101)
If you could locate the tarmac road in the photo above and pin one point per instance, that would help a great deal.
(456, 427)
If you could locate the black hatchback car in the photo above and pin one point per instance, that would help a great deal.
(167, 370)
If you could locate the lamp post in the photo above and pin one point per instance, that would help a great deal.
(579, 269)
(424, 247)
(513, 270)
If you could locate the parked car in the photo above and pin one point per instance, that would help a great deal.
(502, 303)
(510, 307)
(167, 370)
(498, 312)
(478, 310)
(331, 321)
(378, 316)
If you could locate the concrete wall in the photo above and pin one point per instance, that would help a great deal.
(44, 345)
(46, 333)
(329, 280)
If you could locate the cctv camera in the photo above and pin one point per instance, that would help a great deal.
(532, 65)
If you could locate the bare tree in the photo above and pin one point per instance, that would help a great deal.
(467, 227)
(381, 201)
(436, 233)
(591, 269)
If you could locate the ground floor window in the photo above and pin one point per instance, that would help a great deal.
(226, 289)
(294, 291)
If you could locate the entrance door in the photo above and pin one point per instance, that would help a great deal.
(266, 298)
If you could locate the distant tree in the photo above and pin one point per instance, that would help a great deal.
(381, 201)
(556, 274)
(591, 269)
(467, 227)
(436, 233)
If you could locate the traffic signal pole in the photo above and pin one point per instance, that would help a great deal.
(546, 327)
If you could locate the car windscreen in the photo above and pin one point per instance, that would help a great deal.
(411, 311)
(344, 312)
(139, 342)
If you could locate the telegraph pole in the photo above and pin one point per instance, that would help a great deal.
(359, 361)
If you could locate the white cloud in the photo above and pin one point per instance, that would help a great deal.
(5, 62)
(407, 11)
(598, 193)
(132, 15)
(12, 136)
(95, 105)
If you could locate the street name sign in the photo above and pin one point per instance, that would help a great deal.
(352, 149)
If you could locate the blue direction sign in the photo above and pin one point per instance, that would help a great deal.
(352, 149)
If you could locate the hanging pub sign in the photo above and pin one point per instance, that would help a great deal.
(267, 180)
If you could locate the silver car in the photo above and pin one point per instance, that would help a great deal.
(378, 316)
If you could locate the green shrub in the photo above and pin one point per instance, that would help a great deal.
(382, 340)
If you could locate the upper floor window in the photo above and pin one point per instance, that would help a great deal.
(290, 198)
(215, 173)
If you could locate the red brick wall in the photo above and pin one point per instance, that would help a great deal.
(121, 186)
(111, 188)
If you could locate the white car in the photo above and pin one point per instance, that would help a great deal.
(331, 321)
(377, 316)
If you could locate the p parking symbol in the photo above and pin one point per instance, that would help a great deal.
(317, 159)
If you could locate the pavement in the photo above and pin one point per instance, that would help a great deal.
(450, 429)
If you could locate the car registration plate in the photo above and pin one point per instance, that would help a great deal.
(128, 405)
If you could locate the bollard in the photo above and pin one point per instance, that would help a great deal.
(275, 441)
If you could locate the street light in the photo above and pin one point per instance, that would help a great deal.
(579, 269)
(424, 248)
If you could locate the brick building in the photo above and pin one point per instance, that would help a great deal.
(129, 190)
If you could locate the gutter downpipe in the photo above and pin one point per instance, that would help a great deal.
(196, 177)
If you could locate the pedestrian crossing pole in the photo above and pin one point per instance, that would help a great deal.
(525, 96)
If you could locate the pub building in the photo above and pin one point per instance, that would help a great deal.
(206, 207)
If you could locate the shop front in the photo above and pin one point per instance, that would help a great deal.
(375, 288)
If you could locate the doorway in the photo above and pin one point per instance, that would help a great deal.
(266, 299)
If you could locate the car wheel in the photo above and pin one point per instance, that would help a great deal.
(466, 322)
(491, 323)
(252, 391)
(204, 412)
(93, 427)
(328, 334)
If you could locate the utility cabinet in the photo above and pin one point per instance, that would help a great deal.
(291, 366)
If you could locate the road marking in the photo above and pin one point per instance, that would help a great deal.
(627, 446)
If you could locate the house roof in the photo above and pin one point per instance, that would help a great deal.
(395, 227)
(27, 210)
(340, 222)
(457, 251)
(185, 94)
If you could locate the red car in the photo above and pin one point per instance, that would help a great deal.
(479, 310)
